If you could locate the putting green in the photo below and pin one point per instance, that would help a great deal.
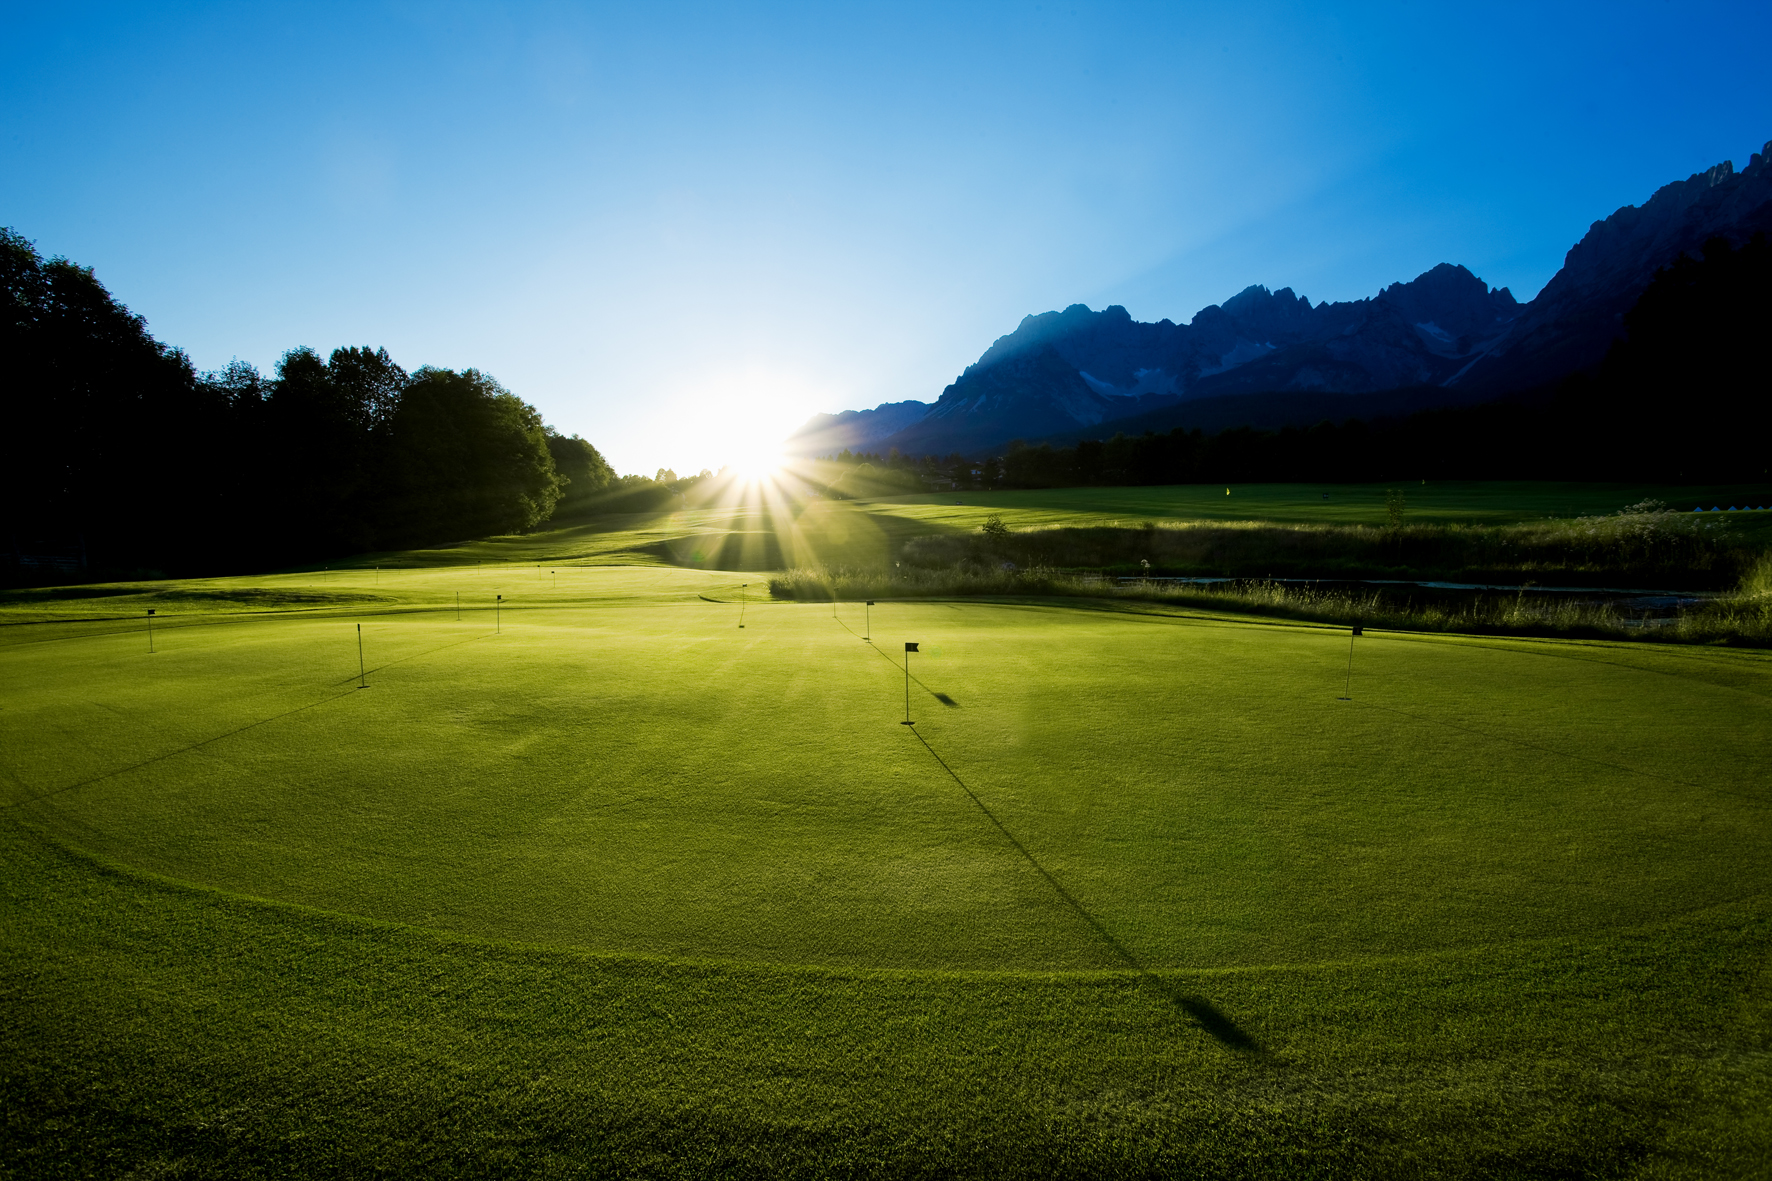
(621, 767)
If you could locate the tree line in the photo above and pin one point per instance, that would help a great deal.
(121, 457)
(120, 452)
(1684, 397)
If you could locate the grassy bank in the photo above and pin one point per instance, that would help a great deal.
(1645, 545)
(1741, 616)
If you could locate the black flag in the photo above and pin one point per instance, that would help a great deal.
(870, 602)
(910, 647)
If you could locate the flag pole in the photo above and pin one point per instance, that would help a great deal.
(909, 648)
(1348, 687)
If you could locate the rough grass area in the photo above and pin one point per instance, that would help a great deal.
(1742, 616)
(599, 883)
(1645, 545)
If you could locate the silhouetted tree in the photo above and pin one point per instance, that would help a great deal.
(466, 458)
(323, 426)
(111, 440)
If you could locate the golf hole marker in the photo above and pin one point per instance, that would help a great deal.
(150, 631)
(1348, 687)
(909, 647)
(868, 626)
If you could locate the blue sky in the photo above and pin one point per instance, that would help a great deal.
(680, 229)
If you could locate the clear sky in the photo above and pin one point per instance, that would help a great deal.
(678, 230)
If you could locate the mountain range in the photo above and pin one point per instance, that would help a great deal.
(1272, 358)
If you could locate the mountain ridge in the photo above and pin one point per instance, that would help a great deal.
(1442, 338)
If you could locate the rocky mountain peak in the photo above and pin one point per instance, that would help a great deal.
(1580, 312)
(1440, 338)
(1452, 299)
(1264, 314)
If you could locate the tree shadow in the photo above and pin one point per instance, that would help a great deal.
(1198, 1009)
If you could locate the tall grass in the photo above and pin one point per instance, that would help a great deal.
(1515, 612)
(1642, 545)
(1743, 616)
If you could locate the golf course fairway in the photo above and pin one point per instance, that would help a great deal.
(592, 875)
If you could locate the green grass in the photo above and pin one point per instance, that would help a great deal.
(624, 889)
(1466, 502)
(1739, 617)
(775, 533)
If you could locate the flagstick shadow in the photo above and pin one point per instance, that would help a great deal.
(414, 656)
(887, 656)
(56, 791)
(1203, 1012)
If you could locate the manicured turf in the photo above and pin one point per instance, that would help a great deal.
(622, 887)
(623, 768)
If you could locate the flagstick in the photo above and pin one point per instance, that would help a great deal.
(150, 631)
(1348, 689)
(362, 682)
(909, 647)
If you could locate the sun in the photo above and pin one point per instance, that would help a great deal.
(757, 464)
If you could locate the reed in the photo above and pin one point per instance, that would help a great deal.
(1744, 616)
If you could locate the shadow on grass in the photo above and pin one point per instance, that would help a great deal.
(416, 655)
(915, 680)
(1200, 1010)
(56, 791)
